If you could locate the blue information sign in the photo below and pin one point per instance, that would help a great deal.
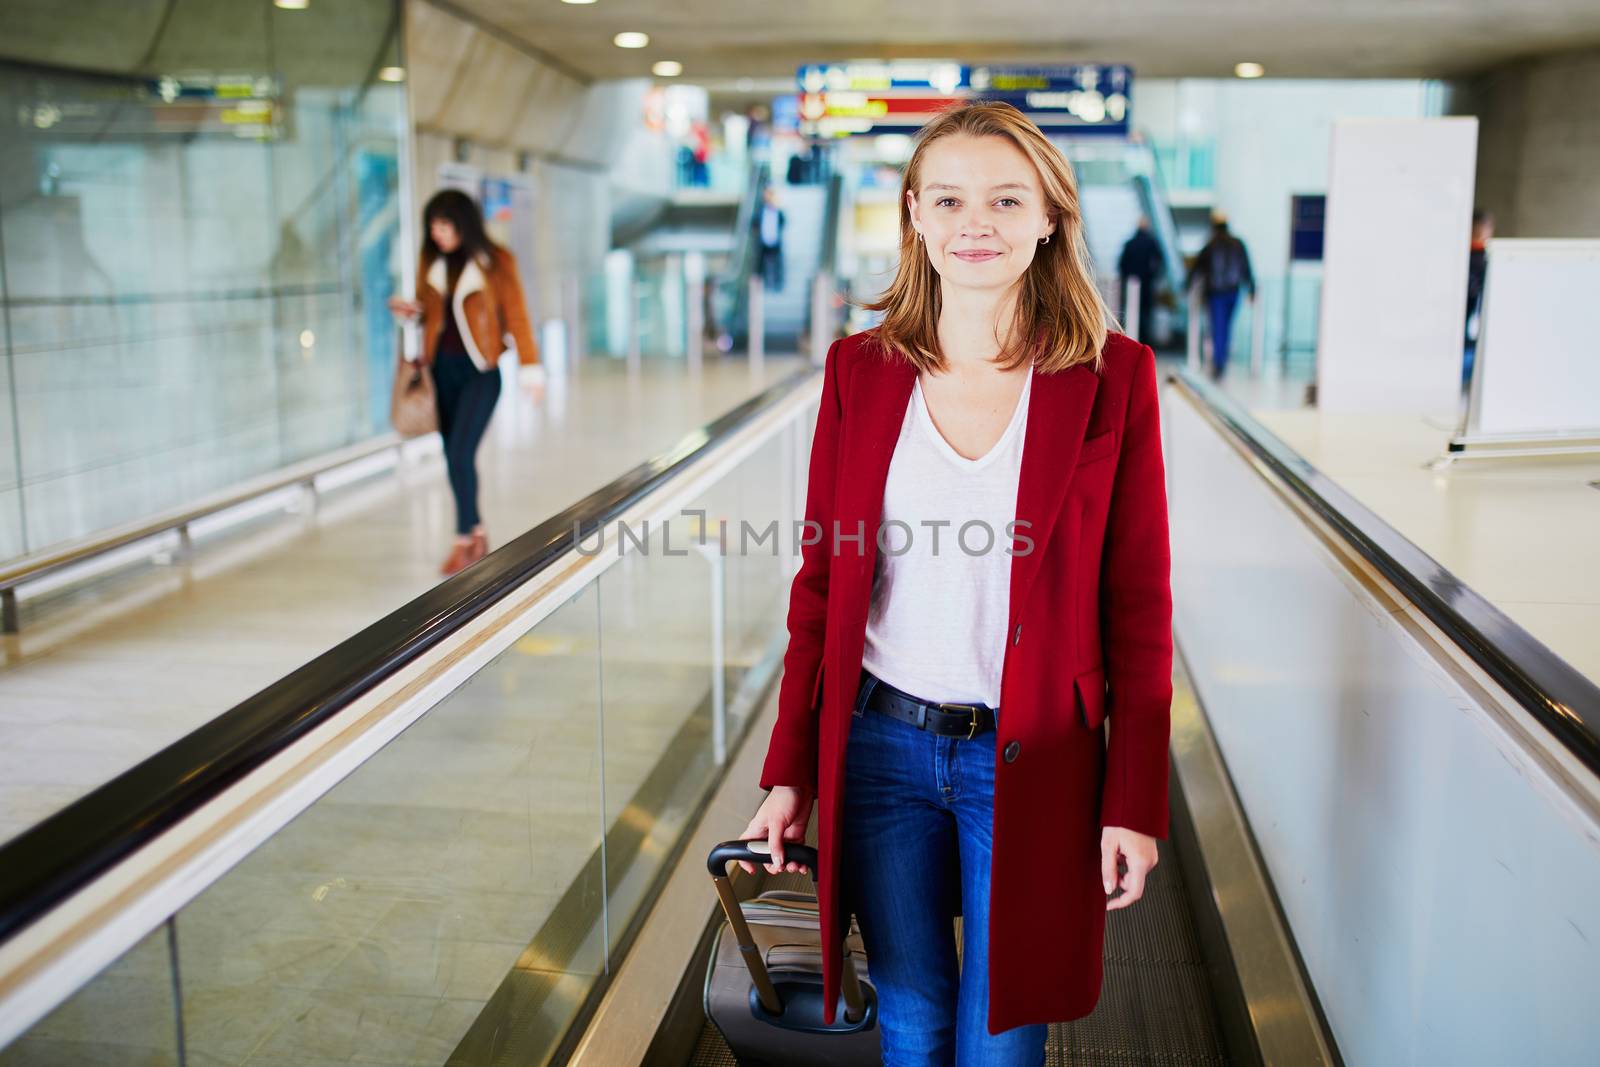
(898, 96)
(1306, 226)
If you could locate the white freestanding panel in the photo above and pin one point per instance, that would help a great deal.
(1394, 287)
(1539, 361)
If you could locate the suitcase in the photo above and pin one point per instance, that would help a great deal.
(764, 981)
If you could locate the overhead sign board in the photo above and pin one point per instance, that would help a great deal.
(840, 100)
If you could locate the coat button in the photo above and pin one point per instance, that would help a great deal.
(1016, 636)
(1011, 751)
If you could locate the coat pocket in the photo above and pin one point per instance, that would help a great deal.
(1098, 447)
(1091, 687)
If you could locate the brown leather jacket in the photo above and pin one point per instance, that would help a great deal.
(488, 305)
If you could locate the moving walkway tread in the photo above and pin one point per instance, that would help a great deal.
(1157, 1006)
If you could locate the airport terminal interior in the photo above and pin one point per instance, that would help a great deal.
(386, 680)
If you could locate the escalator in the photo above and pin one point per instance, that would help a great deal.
(723, 232)
(1117, 183)
(811, 224)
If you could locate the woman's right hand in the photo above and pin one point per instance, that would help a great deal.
(403, 309)
(782, 817)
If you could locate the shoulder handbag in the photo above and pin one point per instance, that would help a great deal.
(413, 409)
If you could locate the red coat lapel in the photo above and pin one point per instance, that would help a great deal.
(874, 412)
(1058, 416)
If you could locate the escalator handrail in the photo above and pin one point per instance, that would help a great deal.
(833, 202)
(742, 262)
(1161, 216)
(50, 862)
(1558, 696)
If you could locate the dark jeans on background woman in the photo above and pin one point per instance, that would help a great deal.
(466, 398)
(916, 842)
(1222, 307)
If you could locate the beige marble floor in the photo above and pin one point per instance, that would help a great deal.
(376, 927)
(1524, 533)
(111, 672)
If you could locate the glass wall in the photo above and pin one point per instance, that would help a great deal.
(460, 897)
(197, 235)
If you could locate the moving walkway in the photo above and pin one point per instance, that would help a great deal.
(475, 832)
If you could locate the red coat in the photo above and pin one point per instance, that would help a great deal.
(1091, 607)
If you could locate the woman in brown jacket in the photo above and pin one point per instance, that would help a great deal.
(470, 299)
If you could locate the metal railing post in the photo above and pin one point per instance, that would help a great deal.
(1258, 332)
(694, 276)
(572, 299)
(633, 325)
(821, 319)
(1194, 330)
(756, 318)
(717, 565)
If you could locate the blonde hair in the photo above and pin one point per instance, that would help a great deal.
(1058, 305)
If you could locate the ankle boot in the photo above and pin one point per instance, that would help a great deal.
(459, 559)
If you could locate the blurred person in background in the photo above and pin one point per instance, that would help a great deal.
(1141, 259)
(700, 152)
(1222, 267)
(1477, 273)
(768, 223)
(469, 301)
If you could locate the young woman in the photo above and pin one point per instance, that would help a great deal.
(470, 300)
(990, 552)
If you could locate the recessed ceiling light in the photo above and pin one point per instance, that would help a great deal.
(292, 5)
(631, 39)
(1249, 70)
(577, 1)
(667, 68)
(391, 74)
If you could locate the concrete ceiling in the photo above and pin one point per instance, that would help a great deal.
(720, 39)
(332, 42)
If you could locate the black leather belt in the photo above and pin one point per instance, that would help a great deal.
(965, 721)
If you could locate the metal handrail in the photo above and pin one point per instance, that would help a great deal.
(32, 567)
(1559, 697)
(58, 857)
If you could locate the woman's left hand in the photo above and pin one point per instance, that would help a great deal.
(1137, 851)
(530, 377)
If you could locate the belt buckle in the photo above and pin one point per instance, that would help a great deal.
(972, 712)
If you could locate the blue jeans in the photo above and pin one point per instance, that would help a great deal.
(466, 397)
(1222, 308)
(916, 843)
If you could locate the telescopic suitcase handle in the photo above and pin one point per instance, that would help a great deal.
(757, 851)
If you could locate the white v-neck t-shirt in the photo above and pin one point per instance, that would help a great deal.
(941, 587)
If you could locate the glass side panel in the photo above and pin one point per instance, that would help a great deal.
(458, 898)
(196, 258)
(127, 1016)
(656, 633)
(452, 880)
